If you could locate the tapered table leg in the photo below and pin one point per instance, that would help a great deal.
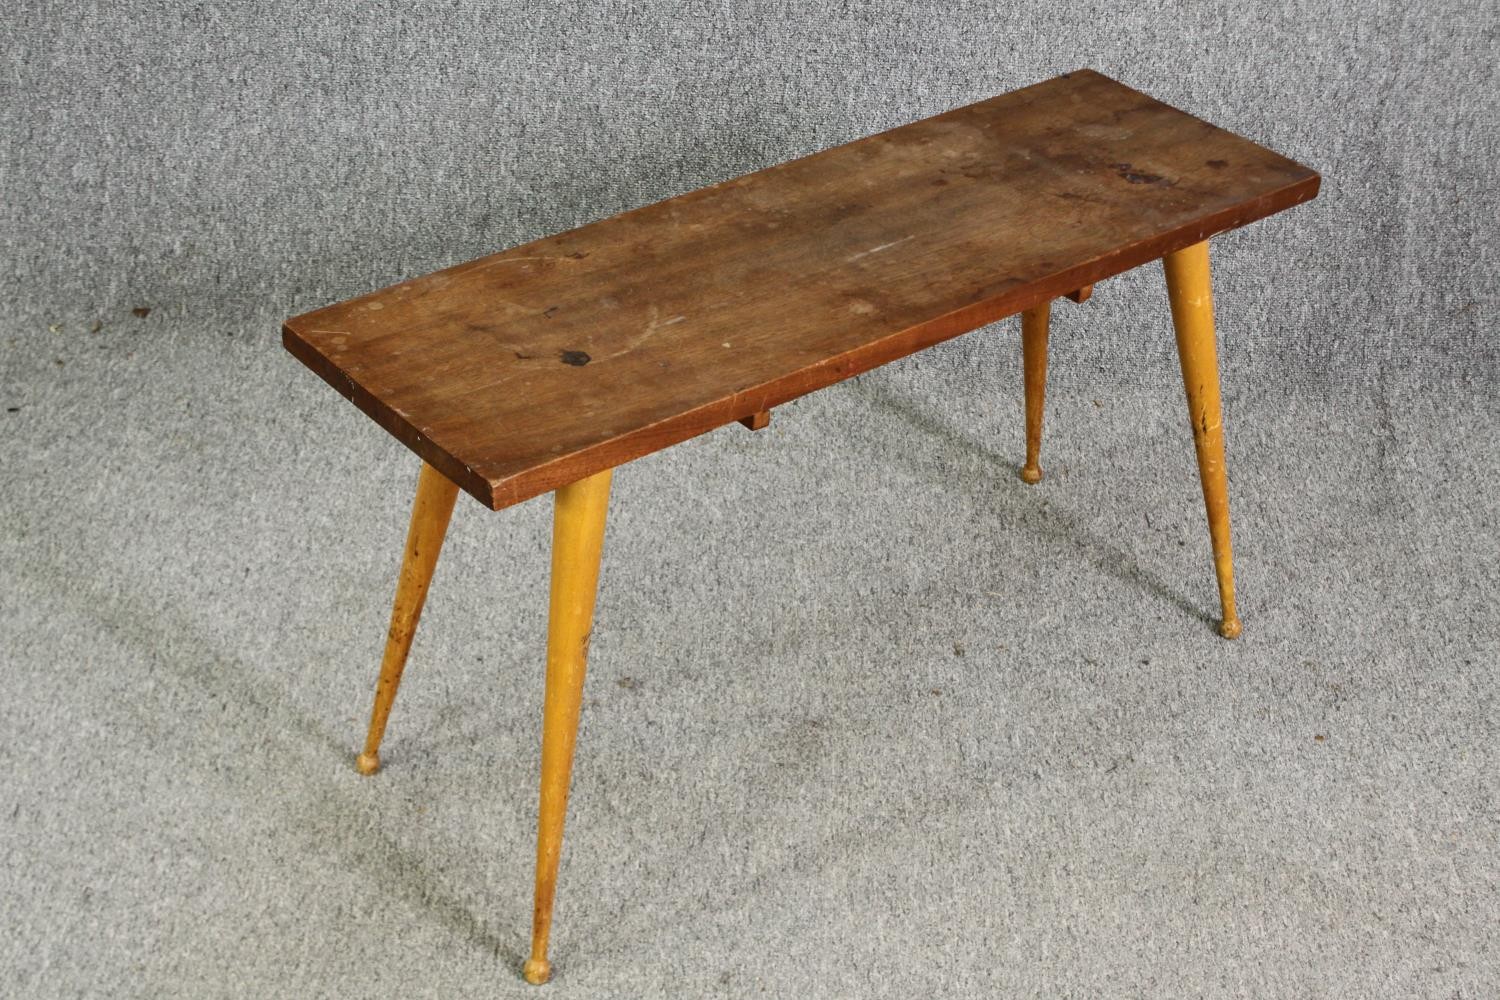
(1034, 323)
(424, 540)
(577, 540)
(1191, 297)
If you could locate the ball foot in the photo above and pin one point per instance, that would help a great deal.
(1031, 474)
(537, 971)
(367, 763)
(1229, 628)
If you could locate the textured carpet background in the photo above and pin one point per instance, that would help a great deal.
(866, 716)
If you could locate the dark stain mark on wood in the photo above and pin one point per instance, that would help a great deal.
(523, 357)
(1135, 176)
(547, 312)
(1217, 164)
(845, 210)
(575, 358)
(982, 171)
(577, 255)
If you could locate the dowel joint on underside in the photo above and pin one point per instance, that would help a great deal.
(757, 421)
(1081, 294)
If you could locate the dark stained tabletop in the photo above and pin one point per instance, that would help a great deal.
(528, 369)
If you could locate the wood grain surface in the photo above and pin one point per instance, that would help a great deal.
(532, 368)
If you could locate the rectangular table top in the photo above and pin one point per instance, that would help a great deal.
(531, 368)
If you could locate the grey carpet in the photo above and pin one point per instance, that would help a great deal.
(866, 715)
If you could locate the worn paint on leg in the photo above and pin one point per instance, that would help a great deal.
(1034, 323)
(430, 513)
(577, 542)
(1190, 294)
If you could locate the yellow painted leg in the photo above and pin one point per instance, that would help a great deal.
(1188, 289)
(577, 540)
(1034, 358)
(424, 539)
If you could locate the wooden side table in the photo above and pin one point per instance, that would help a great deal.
(542, 368)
